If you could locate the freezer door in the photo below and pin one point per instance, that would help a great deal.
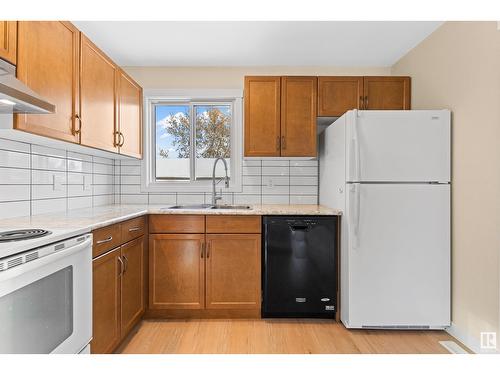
(398, 266)
(406, 146)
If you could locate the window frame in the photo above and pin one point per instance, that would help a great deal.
(153, 97)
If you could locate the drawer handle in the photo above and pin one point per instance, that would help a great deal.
(110, 238)
(135, 229)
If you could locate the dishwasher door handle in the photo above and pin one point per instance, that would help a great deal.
(303, 227)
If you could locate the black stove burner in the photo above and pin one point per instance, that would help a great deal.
(22, 234)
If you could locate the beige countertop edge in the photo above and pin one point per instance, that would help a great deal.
(89, 219)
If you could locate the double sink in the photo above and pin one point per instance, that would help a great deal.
(209, 207)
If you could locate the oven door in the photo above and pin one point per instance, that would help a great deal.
(46, 304)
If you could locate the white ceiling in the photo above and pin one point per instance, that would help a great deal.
(256, 43)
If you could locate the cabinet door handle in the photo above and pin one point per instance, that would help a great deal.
(121, 266)
(135, 229)
(125, 263)
(115, 141)
(202, 249)
(79, 119)
(122, 137)
(208, 249)
(110, 238)
(361, 102)
(366, 102)
(283, 142)
(277, 143)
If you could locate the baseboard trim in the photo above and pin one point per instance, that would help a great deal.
(468, 341)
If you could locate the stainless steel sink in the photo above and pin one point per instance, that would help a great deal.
(230, 207)
(208, 207)
(190, 207)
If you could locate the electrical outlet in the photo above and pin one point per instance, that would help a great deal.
(87, 183)
(270, 183)
(57, 182)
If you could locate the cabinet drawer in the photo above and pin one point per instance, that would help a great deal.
(106, 239)
(133, 228)
(177, 224)
(233, 224)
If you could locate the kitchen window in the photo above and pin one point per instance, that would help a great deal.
(185, 135)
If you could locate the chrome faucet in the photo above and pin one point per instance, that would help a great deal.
(216, 197)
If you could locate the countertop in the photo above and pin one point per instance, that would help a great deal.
(79, 221)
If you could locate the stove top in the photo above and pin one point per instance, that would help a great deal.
(22, 234)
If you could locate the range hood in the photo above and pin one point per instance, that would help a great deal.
(16, 97)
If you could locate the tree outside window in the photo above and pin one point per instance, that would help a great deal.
(178, 126)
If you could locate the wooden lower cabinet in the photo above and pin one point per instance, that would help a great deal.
(233, 271)
(118, 294)
(176, 271)
(133, 284)
(106, 277)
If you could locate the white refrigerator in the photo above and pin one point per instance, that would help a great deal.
(389, 172)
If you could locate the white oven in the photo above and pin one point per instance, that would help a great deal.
(46, 298)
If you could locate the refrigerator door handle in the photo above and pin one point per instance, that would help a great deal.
(355, 141)
(356, 207)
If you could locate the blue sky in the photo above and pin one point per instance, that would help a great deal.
(163, 140)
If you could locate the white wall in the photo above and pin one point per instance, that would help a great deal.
(458, 67)
(230, 77)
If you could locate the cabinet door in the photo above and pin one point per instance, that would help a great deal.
(129, 113)
(97, 90)
(48, 59)
(106, 278)
(8, 41)
(298, 116)
(337, 95)
(132, 303)
(386, 93)
(262, 116)
(233, 271)
(176, 271)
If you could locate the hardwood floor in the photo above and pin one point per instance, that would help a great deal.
(273, 337)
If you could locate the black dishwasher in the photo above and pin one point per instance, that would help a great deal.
(299, 266)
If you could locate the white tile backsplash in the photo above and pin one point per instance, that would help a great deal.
(36, 179)
(14, 176)
(14, 193)
(7, 144)
(14, 159)
(27, 182)
(12, 209)
(263, 181)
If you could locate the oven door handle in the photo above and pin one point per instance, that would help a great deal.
(34, 264)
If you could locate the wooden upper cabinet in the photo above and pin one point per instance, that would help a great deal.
(106, 280)
(97, 92)
(337, 95)
(386, 92)
(233, 271)
(8, 41)
(176, 271)
(133, 284)
(262, 116)
(298, 116)
(48, 62)
(129, 115)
